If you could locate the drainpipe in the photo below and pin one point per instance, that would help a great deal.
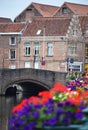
(83, 48)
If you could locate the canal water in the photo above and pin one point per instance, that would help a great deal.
(6, 105)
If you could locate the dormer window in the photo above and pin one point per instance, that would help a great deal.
(64, 10)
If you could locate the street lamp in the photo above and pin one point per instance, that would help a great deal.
(19, 41)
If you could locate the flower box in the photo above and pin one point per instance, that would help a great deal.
(70, 127)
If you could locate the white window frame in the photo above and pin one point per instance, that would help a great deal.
(50, 49)
(27, 49)
(10, 54)
(12, 43)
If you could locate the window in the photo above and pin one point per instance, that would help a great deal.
(36, 64)
(27, 49)
(72, 48)
(50, 49)
(27, 64)
(86, 51)
(12, 41)
(64, 10)
(74, 32)
(12, 67)
(36, 48)
(12, 54)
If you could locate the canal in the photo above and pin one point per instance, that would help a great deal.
(6, 105)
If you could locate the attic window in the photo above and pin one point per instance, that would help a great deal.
(64, 10)
(38, 32)
(30, 9)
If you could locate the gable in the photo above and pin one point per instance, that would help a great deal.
(70, 8)
(35, 9)
(74, 30)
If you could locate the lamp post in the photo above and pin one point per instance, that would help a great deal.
(19, 41)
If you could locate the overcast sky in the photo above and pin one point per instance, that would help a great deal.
(11, 8)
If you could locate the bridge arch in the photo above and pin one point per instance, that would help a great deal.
(27, 85)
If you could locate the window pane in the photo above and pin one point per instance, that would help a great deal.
(12, 54)
(27, 48)
(75, 32)
(72, 48)
(50, 49)
(36, 48)
(64, 10)
(12, 40)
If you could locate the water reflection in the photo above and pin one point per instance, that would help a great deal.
(6, 105)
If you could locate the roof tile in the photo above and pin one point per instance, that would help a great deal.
(11, 27)
(53, 27)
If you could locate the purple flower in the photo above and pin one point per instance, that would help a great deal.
(79, 115)
(52, 121)
(35, 114)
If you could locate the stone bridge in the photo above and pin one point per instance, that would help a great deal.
(30, 79)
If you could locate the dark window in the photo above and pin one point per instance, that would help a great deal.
(12, 41)
(12, 54)
(64, 10)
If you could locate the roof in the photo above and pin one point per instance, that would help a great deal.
(11, 27)
(81, 9)
(44, 10)
(83, 22)
(53, 27)
(5, 20)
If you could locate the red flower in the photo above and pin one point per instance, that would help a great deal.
(34, 99)
(58, 87)
(45, 94)
(75, 100)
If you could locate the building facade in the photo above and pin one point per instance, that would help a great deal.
(46, 37)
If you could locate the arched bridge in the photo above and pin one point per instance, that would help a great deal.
(39, 79)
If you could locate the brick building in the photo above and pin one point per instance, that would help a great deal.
(46, 37)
